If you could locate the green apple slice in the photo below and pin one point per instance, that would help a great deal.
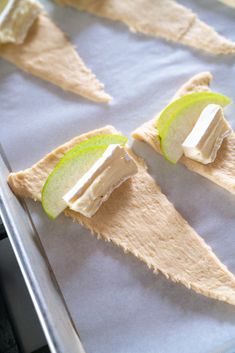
(178, 119)
(72, 166)
(98, 140)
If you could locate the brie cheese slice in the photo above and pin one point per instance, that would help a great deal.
(16, 18)
(95, 187)
(205, 139)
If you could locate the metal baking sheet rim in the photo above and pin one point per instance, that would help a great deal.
(60, 334)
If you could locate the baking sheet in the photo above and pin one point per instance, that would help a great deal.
(117, 304)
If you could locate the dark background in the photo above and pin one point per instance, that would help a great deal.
(20, 330)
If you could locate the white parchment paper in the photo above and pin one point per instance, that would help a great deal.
(117, 304)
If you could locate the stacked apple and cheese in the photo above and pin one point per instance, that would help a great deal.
(87, 174)
(193, 125)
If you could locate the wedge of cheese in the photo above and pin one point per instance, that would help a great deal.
(140, 219)
(47, 53)
(207, 135)
(222, 170)
(159, 18)
(16, 18)
(112, 169)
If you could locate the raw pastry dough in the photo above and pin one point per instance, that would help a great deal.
(140, 219)
(222, 170)
(160, 18)
(48, 54)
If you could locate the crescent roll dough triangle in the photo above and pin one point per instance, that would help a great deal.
(48, 54)
(222, 170)
(139, 218)
(159, 18)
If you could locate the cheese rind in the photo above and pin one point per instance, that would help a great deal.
(16, 19)
(95, 187)
(205, 139)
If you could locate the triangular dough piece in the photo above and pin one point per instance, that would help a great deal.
(222, 170)
(160, 18)
(140, 219)
(48, 54)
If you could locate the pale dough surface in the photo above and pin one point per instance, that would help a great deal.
(222, 170)
(160, 18)
(47, 53)
(139, 218)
